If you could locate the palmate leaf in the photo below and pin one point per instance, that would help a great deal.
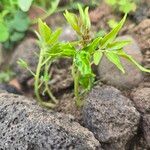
(114, 58)
(110, 37)
(130, 59)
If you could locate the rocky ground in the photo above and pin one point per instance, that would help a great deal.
(115, 115)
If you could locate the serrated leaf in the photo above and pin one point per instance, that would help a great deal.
(4, 34)
(44, 30)
(97, 57)
(110, 37)
(118, 44)
(113, 57)
(24, 4)
(129, 58)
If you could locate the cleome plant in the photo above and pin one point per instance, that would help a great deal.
(84, 52)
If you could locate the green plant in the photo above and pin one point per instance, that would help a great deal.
(6, 75)
(124, 6)
(84, 52)
(13, 23)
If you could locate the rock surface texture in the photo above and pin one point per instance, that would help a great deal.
(111, 117)
(146, 128)
(27, 51)
(133, 76)
(26, 126)
(141, 99)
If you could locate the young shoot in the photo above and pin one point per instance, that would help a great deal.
(84, 52)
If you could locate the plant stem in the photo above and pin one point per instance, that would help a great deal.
(75, 74)
(36, 84)
(37, 76)
(47, 87)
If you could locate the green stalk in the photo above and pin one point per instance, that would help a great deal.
(47, 87)
(75, 75)
(36, 84)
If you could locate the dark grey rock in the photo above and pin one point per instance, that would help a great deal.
(111, 117)
(27, 51)
(26, 126)
(142, 12)
(133, 76)
(9, 88)
(61, 78)
(141, 99)
(146, 128)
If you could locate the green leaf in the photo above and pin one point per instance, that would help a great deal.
(16, 36)
(87, 81)
(82, 62)
(72, 19)
(44, 30)
(54, 5)
(21, 22)
(111, 2)
(97, 57)
(81, 14)
(68, 50)
(54, 36)
(113, 57)
(93, 45)
(24, 4)
(118, 44)
(110, 37)
(4, 34)
(129, 58)
(112, 23)
(87, 18)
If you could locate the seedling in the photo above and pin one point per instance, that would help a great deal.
(84, 52)
(124, 6)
